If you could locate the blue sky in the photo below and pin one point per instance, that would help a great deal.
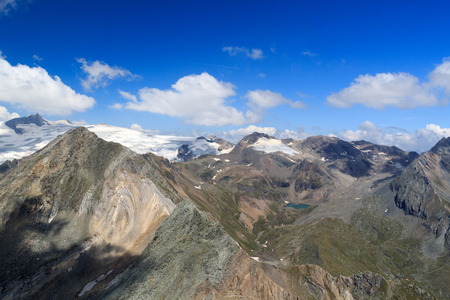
(373, 70)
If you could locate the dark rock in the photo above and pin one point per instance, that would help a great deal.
(35, 119)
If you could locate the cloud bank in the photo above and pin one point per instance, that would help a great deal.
(33, 89)
(401, 90)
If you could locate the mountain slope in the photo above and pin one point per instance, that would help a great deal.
(423, 190)
(76, 209)
(92, 219)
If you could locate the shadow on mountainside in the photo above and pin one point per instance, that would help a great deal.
(41, 260)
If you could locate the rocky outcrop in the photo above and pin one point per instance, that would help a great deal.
(423, 190)
(73, 211)
(191, 257)
(320, 284)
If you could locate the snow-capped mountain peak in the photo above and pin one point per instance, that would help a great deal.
(23, 136)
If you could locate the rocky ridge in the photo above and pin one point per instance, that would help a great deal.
(81, 206)
(86, 209)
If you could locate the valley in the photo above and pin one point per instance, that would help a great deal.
(268, 218)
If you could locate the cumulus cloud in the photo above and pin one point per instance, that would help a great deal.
(440, 77)
(203, 100)
(136, 127)
(259, 99)
(35, 90)
(420, 140)
(253, 53)
(236, 135)
(100, 74)
(5, 115)
(198, 99)
(401, 90)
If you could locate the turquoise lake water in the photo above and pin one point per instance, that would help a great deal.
(297, 206)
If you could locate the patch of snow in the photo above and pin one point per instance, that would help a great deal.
(272, 145)
(286, 201)
(198, 187)
(226, 151)
(216, 159)
(322, 159)
(399, 166)
(114, 281)
(227, 160)
(386, 210)
(249, 164)
(258, 259)
(90, 285)
(365, 151)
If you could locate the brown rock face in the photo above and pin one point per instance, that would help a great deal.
(73, 211)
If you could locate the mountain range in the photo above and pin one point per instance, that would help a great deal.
(319, 218)
(23, 136)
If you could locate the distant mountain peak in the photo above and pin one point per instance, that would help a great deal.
(255, 136)
(35, 119)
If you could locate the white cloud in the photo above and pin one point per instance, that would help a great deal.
(35, 90)
(128, 96)
(117, 106)
(198, 99)
(5, 115)
(253, 54)
(309, 53)
(262, 75)
(136, 127)
(420, 140)
(7, 5)
(100, 74)
(236, 135)
(440, 77)
(35, 57)
(259, 99)
(401, 90)
(300, 134)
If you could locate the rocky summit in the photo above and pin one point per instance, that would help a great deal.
(319, 218)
